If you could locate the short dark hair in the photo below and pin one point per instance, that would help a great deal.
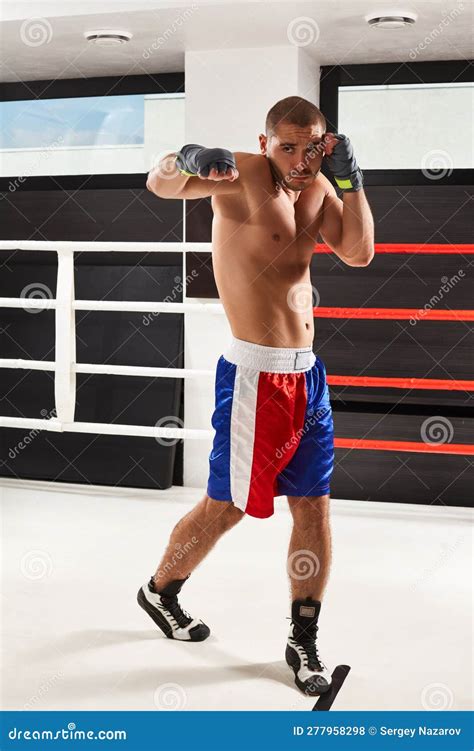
(294, 110)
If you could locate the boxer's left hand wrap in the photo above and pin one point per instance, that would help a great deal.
(194, 159)
(342, 163)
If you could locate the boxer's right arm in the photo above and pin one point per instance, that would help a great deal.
(169, 178)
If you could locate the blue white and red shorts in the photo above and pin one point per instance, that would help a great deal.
(273, 427)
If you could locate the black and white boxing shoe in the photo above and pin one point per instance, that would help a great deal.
(164, 608)
(311, 675)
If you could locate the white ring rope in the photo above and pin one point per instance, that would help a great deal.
(84, 246)
(65, 367)
(120, 305)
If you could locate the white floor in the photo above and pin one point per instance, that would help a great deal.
(397, 608)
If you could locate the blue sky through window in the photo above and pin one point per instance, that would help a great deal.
(80, 121)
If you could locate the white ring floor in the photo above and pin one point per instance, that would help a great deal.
(398, 607)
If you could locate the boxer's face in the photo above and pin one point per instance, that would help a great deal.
(295, 153)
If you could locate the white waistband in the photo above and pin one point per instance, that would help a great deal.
(269, 359)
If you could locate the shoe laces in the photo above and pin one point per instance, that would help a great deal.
(181, 616)
(306, 638)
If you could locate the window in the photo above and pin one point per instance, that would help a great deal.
(90, 134)
(409, 126)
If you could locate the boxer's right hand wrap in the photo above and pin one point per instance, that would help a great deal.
(194, 159)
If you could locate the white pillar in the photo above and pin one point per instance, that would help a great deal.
(229, 91)
(228, 94)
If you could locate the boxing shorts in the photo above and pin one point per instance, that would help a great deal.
(273, 427)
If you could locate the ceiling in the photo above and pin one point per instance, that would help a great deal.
(44, 39)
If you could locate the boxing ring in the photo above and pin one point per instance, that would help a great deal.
(251, 668)
(65, 366)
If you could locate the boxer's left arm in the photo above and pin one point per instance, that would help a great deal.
(347, 226)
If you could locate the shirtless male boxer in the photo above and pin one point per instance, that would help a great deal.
(272, 418)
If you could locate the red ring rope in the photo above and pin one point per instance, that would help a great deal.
(401, 314)
(457, 248)
(436, 384)
(415, 446)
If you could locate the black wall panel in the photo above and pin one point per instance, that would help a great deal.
(378, 424)
(118, 338)
(393, 477)
(118, 215)
(417, 399)
(198, 220)
(422, 213)
(393, 349)
(201, 283)
(398, 280)
(59, 88)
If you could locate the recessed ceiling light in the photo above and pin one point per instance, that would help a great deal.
(396, 20)
(107, 37)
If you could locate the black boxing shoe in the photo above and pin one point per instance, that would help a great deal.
(163, 607)
(311, 675)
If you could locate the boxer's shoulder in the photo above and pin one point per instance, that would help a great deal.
(253, 169)
(244, 156)
(247, 163)
(248, 166)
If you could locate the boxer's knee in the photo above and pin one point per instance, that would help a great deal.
(308, 511)
(222, 513)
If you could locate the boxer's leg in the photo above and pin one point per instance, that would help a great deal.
(195, 534)
(308, 567)
(310, 549)
(191, 539)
